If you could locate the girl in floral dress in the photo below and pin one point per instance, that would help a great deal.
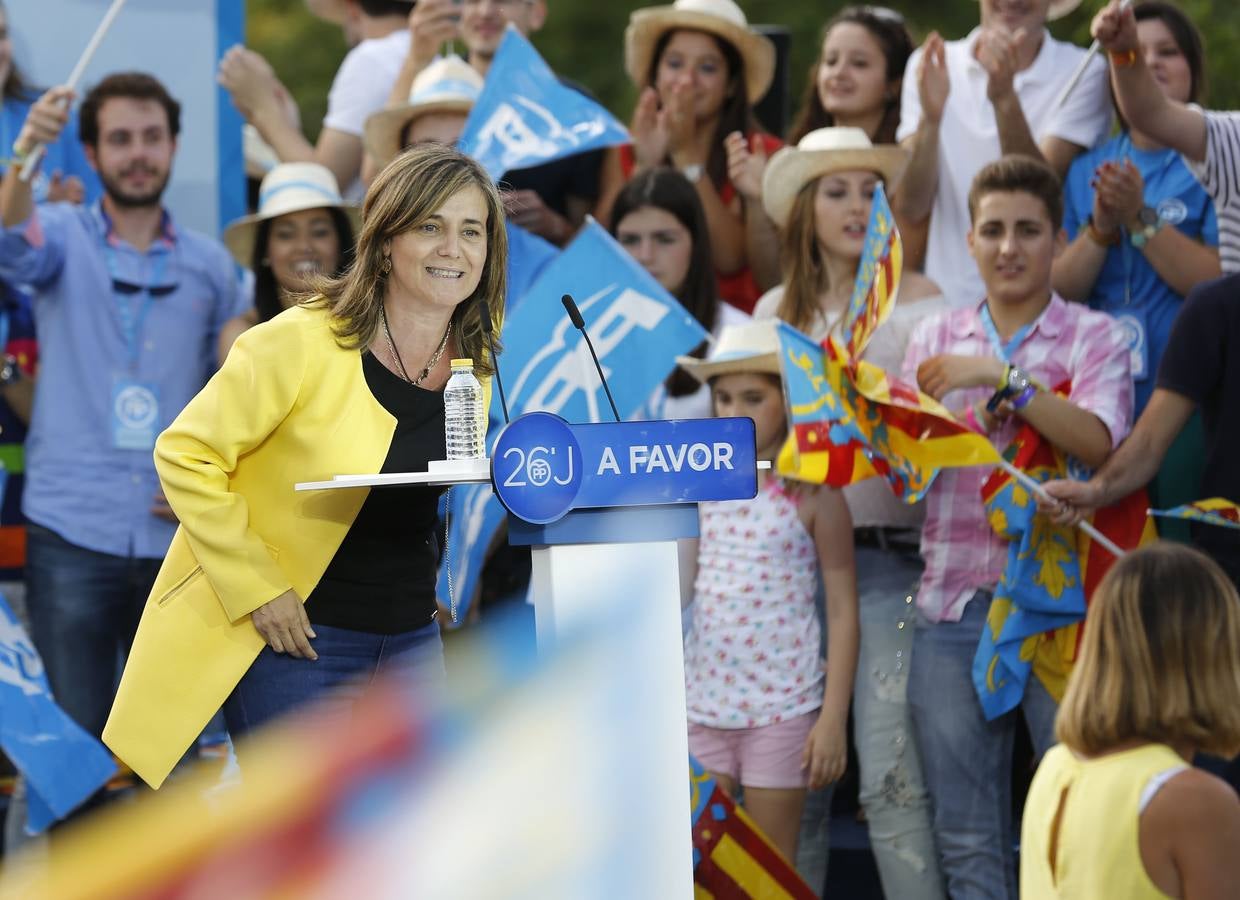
(761, 718)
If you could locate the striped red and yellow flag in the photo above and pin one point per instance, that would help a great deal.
(1214, 511)
(732, 859)
(849, 420)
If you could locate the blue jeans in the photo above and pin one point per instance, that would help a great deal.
(967, 761)
(84, 609)
(349, 661)
(892, 790)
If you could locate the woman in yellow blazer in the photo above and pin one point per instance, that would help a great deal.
(350, 381)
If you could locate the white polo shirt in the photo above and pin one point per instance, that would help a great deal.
(969, 138)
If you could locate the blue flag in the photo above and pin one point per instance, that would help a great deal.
(638, 329)
(62, 764)
(526, 117)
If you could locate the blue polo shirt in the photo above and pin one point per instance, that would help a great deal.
(1127, 286)
(78, 484)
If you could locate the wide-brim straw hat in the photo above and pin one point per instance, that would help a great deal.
(1060, 8)
(334, 11)
(822, 151)
(752, 347)
(288, 188)
(446, 85)
(722, 18)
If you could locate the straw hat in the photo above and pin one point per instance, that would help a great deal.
(288, 188)
(821, 151)
(446, 85)
(722, 18)
(1060, 8)
(752, 347)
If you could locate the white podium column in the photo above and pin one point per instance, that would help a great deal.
(588, 568)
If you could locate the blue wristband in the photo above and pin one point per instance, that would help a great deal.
(1025, 396)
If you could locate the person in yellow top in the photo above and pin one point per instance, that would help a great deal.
(1115, 810)
(268, 597)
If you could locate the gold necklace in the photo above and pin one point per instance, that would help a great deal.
(435, 357)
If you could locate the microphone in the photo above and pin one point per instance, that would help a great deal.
(574, 314)
(489, 331)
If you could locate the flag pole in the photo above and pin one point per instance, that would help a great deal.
(36, 154)
(1087, 527)
(1093, 50)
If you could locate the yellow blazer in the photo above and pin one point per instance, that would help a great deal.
(288, 405)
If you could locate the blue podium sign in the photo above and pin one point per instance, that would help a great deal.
(542, 467)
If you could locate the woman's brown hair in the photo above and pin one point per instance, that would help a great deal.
(1160, 660)
(403, 196)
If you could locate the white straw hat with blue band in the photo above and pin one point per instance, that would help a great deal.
(288, 188)
(752, 347)
(447, 85)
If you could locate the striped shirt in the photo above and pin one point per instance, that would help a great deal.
(1068, 342)
(1219, 174)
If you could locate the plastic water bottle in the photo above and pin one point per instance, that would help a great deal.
(462, 403)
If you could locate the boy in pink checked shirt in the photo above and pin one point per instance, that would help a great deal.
(991, 364)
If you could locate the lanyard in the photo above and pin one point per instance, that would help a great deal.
(1125, 248)
(1003, 351)
(133, 321)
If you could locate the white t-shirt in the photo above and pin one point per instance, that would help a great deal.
(969, 138)
(1219, 174)
(364, 80)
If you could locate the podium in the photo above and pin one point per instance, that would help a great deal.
(602, 507)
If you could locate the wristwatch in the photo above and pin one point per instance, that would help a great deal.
(1148, 223)
(10, 371)
(1016, 386)
(693, 172)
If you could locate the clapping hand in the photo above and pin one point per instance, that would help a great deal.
(746, 166)
(1119, 195)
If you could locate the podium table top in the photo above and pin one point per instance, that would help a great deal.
(481, 474)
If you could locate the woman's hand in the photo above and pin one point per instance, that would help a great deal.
(826, 752)
(746, 166)
(1115, 28)
(649, 131)
(1119, 195)
(285, 627)
(942, 374)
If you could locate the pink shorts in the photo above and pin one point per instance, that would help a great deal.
(768, 756)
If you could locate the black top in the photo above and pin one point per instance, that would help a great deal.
(1202, 363)
(382, 578)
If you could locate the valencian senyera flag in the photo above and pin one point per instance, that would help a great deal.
(878, 278)
(849, 420)
(731, 856)
(1215, 511)
(1039, 606)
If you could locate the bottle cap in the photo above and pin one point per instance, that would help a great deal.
(460, 363)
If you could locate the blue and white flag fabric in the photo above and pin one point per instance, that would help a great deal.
(526, 117)
(638, 329)
(62, 764)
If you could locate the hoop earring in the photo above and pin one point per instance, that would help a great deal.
(385, 267)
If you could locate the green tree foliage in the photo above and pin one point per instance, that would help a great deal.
(584, 40)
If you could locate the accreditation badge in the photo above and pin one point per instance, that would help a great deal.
(1132, 326)
(135, 414)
